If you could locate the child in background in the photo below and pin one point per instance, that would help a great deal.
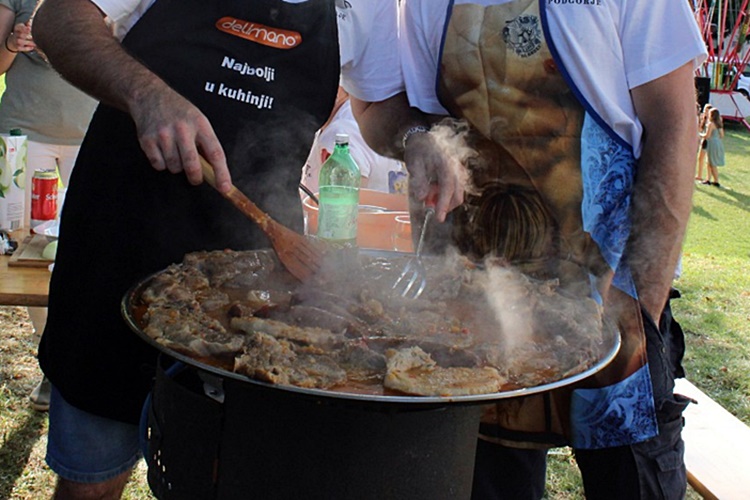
(714, 136)
(703, 120)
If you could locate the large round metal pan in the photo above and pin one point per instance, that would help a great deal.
(611, 345)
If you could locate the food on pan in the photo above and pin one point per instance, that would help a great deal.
(475, 330)
(413, 371)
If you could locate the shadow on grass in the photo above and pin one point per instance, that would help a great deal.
(699, 211)
(15, 453)
(727, 196)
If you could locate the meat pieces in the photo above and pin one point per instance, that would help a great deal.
(281, 362)
(191, 332)
(478, 332)
(307, 336)
(413, 371)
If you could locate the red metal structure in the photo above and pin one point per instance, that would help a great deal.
(724, 25)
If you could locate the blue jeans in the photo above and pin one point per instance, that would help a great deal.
(86, 448)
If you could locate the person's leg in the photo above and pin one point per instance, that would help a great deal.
(716, 176)
(702, 155)
(501, 472)
(40, 395)
(66, 159)
(92, 456)
(109, 490)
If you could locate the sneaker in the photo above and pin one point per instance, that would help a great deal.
(717, 184)
(707, 183)
(40, 395)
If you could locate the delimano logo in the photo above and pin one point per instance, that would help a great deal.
(272, 37)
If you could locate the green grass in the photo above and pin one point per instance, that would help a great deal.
(715, 308)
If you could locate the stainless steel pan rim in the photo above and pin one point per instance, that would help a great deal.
(127, 306)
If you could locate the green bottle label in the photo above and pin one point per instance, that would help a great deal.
(339, 196)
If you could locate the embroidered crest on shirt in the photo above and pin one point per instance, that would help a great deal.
(524, 35)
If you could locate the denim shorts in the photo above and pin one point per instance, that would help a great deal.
(86, 448)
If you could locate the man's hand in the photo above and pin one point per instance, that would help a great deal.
(436, 157)
(173, 132)
(429, 162)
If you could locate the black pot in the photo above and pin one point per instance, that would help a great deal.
(219, 438)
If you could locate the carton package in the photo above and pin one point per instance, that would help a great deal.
(13, 149)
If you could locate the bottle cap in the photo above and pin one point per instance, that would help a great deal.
(16, 131)
(342, 138)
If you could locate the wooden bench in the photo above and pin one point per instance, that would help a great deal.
(717, 447)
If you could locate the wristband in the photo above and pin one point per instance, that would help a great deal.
(419, 129)
(8, 48)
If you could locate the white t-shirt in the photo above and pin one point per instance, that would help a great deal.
(607, 47)
(368, 40)
(383, 174)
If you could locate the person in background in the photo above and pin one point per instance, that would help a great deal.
(714, 137)
(578, 155)
(50, 111)
(703, 120)
(379, 173)
(162, 105)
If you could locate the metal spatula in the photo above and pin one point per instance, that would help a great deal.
(299, 254)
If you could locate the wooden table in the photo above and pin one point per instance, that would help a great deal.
(23, 286)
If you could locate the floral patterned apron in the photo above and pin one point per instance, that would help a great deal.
(553, 192)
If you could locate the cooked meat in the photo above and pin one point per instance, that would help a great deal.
(280, 330)
(309, 316)
(269, 298)
(476, 331)
(191, 332)
(174, 286)
(413, 371)
(211, 299)
(361, 363)
(232, 269)
(277, 361)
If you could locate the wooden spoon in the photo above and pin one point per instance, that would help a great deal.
(300, 255)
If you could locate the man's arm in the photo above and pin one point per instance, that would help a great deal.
(384, 125)
(663, 191)
(171, 131)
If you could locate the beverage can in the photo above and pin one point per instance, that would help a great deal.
(43, 197)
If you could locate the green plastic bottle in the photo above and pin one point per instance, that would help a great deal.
(338, 204)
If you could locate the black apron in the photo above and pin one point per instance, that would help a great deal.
(265, 73)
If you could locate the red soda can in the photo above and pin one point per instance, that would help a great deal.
(43, 197)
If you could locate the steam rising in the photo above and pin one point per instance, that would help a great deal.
(509, 302)
(450, 135)
(266, 164)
